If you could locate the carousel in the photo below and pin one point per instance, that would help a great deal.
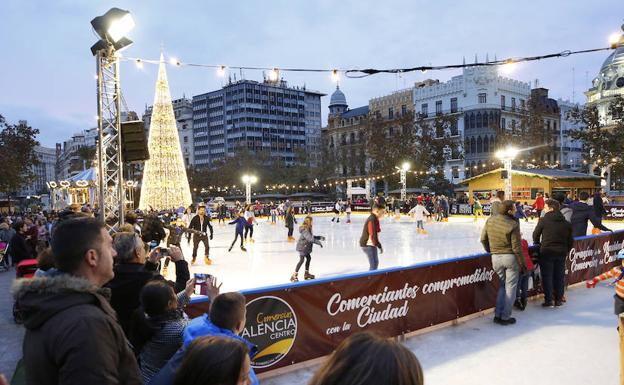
(82, 189)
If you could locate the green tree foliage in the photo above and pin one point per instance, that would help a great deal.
(17, 155)
(425, 144)
(86, 157)
(601, 142)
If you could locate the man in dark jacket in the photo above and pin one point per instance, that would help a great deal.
(72, 335)
(501, 237)
(554, 235)
(201, 223)
(599, 208)
(133, 270)
(581, 213)
(369, 241)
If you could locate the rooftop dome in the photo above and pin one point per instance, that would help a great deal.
(338, 98)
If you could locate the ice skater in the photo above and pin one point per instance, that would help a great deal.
(348, 208)
(337, 208)
(369, 241)
(478, 209)
(304, 246)
(419, 211)
(250, 220)
(238, 230)
(201, 223)
(221, 212)
(273, 212)
(290, 223)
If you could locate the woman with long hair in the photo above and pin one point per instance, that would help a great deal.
(215, 361)
(368, 359)
(290, 223)
(304, 247)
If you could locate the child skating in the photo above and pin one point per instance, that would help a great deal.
(250, 220)
(348, 208)
(304, 247)
(290, 223)
(419, 211)
(238, 231)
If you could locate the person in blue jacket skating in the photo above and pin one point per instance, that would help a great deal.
(240, 223)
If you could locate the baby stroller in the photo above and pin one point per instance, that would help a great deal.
(24, 269)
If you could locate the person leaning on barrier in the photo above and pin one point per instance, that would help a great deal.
(581, 213)
(554, 236)
(367, 359)
(501, 237)
(72, 335)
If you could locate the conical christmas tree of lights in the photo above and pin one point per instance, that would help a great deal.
(165, 184)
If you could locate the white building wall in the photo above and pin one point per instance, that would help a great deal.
(466, 88)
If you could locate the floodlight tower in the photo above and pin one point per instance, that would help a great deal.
(112, 28)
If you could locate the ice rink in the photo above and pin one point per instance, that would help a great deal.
(271, 260)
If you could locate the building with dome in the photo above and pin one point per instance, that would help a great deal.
(608, 84)
(344, 136)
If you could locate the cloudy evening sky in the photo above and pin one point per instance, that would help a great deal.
(47, 71)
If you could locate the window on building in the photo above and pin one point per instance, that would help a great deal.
(403, 110)
(455, 171)
(439, 107)
(486, 144)
(453, 105)
(479, 122)
(424, 108)
(352, 138)
(454, 129)
(186, 139)
(483, 97)
(343, 139)
(473, 145)
(479, 144)
(503, 123)
(522, 104)
(502, 102)
(391, 113)
(513, 104)
(186, 161)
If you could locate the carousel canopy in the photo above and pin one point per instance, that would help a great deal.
(89, 175)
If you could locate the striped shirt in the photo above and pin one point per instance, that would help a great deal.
(613, 273)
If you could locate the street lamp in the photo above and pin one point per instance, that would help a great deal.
(507, 155)
(248, 180)
(403, 173)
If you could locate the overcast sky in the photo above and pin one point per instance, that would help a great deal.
(47, 71)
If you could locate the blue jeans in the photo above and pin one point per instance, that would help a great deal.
(507, 269)
(419, 225)
(373, 258)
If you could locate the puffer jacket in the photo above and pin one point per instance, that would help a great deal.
(554, 235)
(501, 235)
(306, 240)
(72, 335)
(581, 213)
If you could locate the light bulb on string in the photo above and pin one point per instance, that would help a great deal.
(139, 63)
(221, 71)
(335, 76)
(274, 75)
(174, 61)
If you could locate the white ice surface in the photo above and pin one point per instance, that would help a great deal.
(271, 259)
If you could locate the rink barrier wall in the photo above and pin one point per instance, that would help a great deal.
(298, 322)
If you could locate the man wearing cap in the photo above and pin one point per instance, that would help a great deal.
(200, 222)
